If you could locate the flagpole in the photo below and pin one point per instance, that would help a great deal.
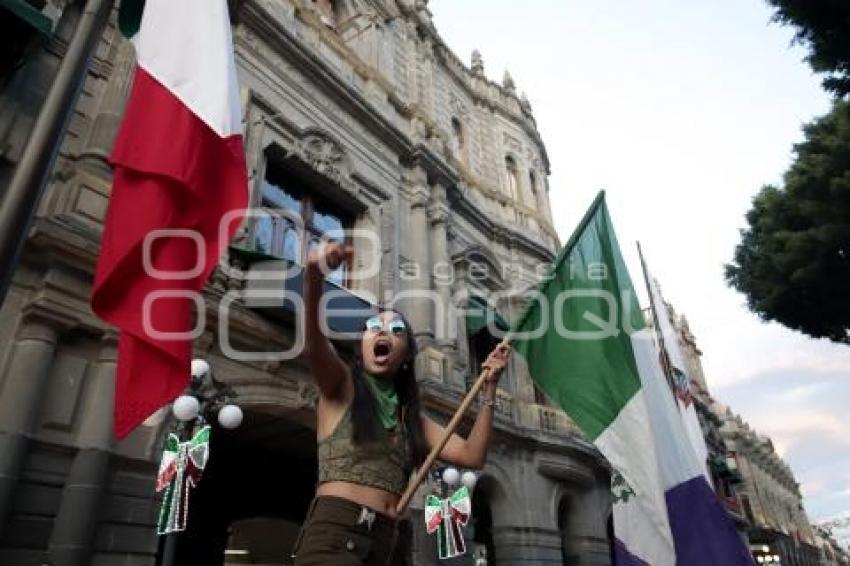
(24, 192)
(665, 358)
(447, 433)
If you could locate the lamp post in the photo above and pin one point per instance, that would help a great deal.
(450, 477)
(447, 480)
(194, 408)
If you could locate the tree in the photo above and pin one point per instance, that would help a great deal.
(793, 262)
(824, 27)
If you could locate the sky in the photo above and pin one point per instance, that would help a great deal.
(681, 111)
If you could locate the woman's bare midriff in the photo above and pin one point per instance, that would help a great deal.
(376, 499)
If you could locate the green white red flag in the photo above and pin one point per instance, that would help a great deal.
(179, 164)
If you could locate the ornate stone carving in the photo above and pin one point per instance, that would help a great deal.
(508, 83)
(324, 154)
(511, 142)
(458, 108)
(477, 63)
(419, 197)
(438, 213)
(524, 103)
(504, 404)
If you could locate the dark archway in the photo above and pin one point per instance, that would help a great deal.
(482, 520)
(260, 477)
(569, 555)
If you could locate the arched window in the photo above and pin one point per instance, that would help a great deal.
(295, 217)
(532, 184)
(513, 177)
(458, 141)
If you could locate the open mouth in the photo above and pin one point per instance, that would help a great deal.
(382, 351)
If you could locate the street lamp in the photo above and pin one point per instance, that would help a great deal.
(194, 408)
(452, 477)
(197, 405)
(469, 479)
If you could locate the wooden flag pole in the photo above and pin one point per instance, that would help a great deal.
(449, 430)
(666, 366)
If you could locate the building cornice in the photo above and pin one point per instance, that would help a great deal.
(268, 28)
(476, 85)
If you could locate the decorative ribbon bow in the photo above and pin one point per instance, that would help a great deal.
(446, 516)
(180, 470)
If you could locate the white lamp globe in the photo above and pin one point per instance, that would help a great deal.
(186, 408)
(469, 479)
(451, 476)
(230, 416)
(200, 367)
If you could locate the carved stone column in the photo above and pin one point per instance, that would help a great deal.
(438, 215)
(21, 397)
(76, 521)
(417, 266)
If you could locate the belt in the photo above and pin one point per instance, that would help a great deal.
(349, 513)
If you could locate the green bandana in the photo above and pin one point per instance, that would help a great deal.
(386, 399)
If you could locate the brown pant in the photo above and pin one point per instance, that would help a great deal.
(341, 532)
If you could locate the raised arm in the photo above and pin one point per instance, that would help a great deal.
(329, 371)
(471, 452)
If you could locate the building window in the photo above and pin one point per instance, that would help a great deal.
(24, 26)
(480, 345)
(293, 220)
(748, 510)
(532, 184)
(539, 396)
(458, 142)
(513, 177)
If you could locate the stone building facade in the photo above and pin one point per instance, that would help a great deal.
(770, 497)
(356, 116)
(832, 553)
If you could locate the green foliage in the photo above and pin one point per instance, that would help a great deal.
(824, 27)
(793, 262)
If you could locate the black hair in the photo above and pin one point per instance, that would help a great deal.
(364, 410)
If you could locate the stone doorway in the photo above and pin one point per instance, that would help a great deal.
(483, 544)
(254, 494)
(569, 556)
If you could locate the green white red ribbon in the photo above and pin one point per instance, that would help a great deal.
(180, 470)
(447, 516)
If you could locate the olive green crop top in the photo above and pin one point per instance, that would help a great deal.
(384, 464)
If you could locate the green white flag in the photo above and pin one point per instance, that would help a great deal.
(577, 338)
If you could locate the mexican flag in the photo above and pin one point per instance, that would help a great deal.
(179, 170)
(583, 339)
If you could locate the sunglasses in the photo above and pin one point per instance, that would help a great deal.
(395, 326)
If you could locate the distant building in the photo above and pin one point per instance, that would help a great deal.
(833, 554)
(770, 497)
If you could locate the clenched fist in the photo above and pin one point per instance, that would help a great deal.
(496, 362)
